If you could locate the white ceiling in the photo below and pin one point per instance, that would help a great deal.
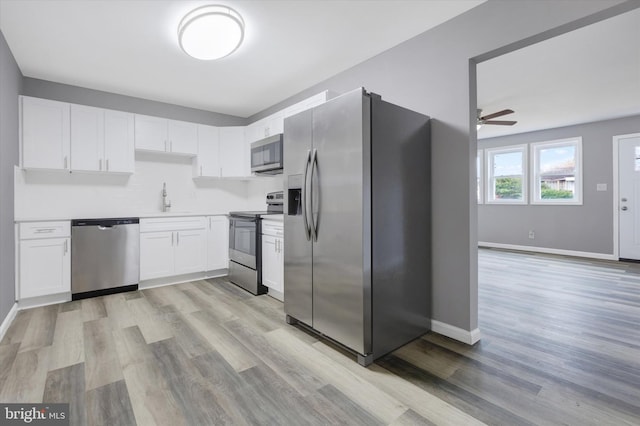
(589, 74)
(130, 47)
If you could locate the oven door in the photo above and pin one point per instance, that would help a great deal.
(242, 240)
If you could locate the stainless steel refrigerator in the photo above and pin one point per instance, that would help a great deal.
(357, 241)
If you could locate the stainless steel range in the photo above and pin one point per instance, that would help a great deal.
(245, 242)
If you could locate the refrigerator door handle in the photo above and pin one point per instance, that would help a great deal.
(314, 224)
(305, 218)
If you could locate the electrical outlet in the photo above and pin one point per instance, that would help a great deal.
(532, 234)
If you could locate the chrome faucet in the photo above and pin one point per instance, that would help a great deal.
(166, 204)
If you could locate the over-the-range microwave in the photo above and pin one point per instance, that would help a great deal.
(266, 155)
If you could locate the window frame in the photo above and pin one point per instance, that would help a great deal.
(535, 148)
(489, 195)
(480, 176)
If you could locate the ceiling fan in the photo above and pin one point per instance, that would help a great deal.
(487, 119)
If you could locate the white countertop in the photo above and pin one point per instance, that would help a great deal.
(140, 215)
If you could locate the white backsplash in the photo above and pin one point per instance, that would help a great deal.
(41, 195)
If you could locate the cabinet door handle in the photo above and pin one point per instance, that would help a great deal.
(65, 161)
(172, 239)
(209, 223)
(44, 230)
(66, 247)
(165, 145)
(170, 146)
(200, 170)
(100, 164)
(107, 164)
(177, 238)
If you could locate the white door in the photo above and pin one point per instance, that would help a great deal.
(269, 262)
(218, 243)
(45, 267)
(87, 138)
(151, 133)
(156, 254)
(234, 152)
(629, 196)
(45, 134)
(183, 137)
(119, 155)
(190, 251)
(208, 151)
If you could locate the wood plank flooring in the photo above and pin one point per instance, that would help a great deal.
(560, 345)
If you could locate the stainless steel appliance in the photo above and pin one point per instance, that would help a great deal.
(245, 245)
(266, 155)
(105, 256)
(357, 223)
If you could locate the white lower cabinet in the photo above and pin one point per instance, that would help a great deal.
(217, 243)
(273, 258)
(44, 259)
(172, 246)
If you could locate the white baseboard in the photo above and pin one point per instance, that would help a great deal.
(587, 254)
(180, 279)
(52, 299)
(6, 323)
(464, 336)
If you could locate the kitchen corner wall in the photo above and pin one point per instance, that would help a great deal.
(585, 228)
(10, 88)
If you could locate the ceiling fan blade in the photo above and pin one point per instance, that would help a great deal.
(497, 114)
(500, 122)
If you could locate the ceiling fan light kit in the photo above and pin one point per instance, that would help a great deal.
(487, 119)
(211, 32)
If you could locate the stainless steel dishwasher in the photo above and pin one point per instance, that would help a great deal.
(105, 256)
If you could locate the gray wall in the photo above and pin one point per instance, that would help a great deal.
(587, 228)
(10, 88)
(83, 96)
(434, 73)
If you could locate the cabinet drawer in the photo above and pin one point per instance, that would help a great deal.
(273, 228)
(172, 223)
(33, 230)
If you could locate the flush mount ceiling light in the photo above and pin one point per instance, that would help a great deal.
(210, 32)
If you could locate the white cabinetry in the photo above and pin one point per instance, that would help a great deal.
(234, 153)
(44, 259)
(306, 104)
(163, 135)
(273, 257)
(101, 140)
(207, 162)
(217, 243)
(45, 141)
(172, 246)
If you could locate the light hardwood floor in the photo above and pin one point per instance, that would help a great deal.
(561, 345)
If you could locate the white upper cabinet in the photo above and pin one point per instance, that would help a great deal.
(45, 128)
(87, 138)
(119, 149)
(182, 137)
(207, 162)
(101, 140)
(162, 135)
(234, 153)
(265, 127)
(306, 104)
(150, 133)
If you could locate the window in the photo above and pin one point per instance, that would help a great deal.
(557, 172)
(479, 164)
(507, 175)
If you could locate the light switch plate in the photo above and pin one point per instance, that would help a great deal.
(601, 187)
